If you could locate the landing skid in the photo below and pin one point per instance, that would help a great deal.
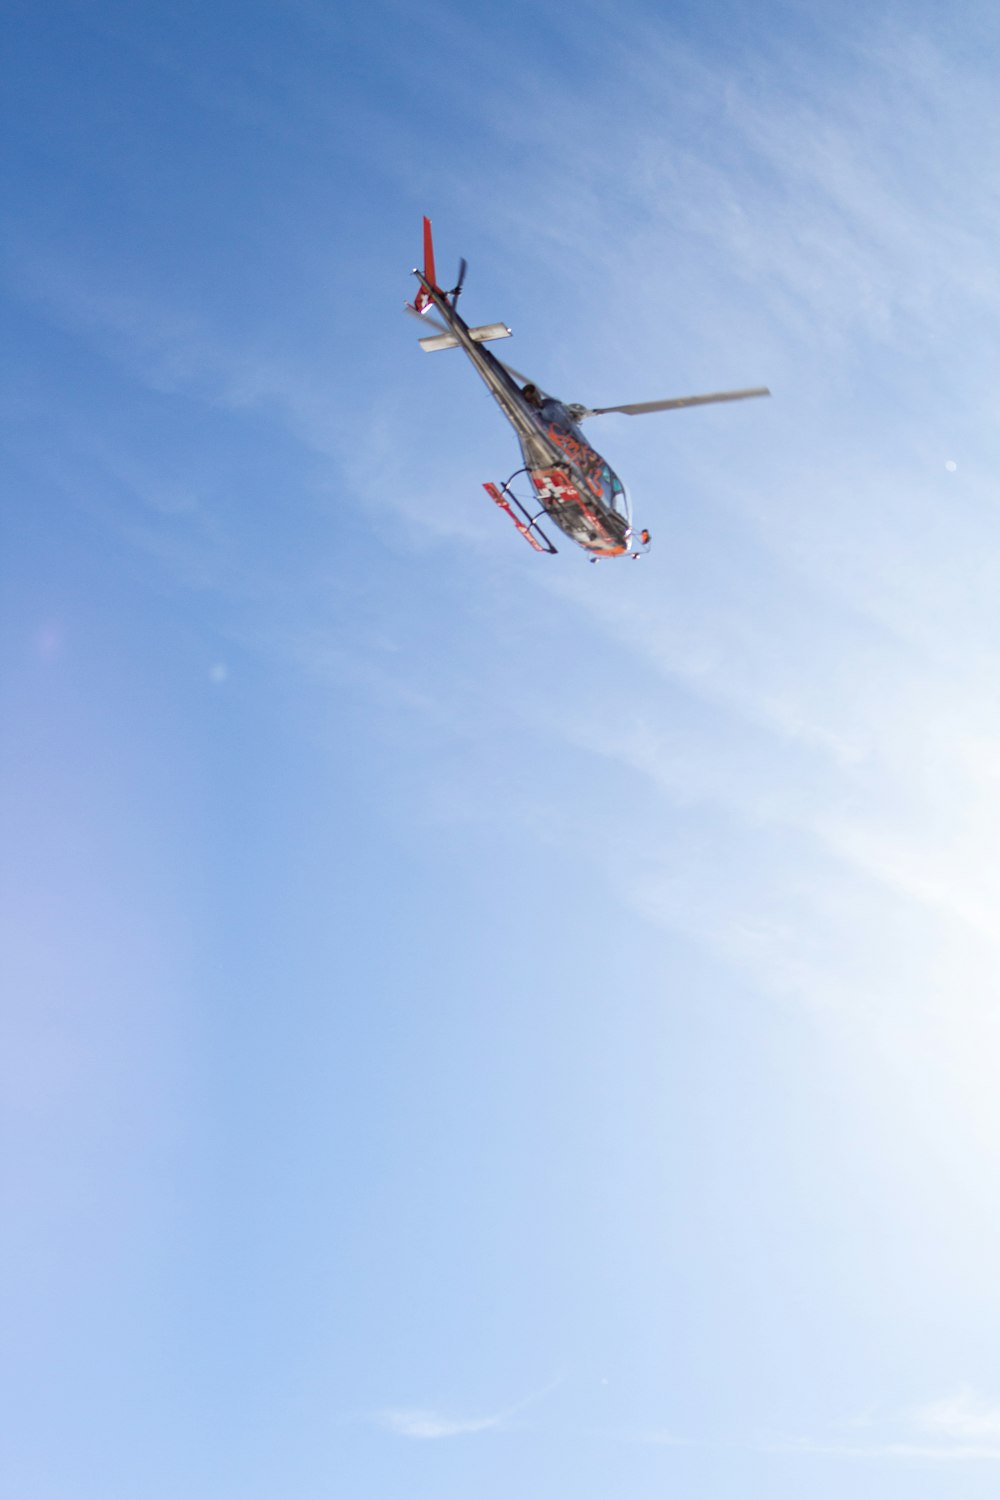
(635, 556)
(526, 523)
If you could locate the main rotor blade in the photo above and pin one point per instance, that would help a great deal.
(523, 379)
(423, 318)
(640, 408)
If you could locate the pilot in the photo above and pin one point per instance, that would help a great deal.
(548, 407)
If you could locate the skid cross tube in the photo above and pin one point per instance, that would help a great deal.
(528, 527)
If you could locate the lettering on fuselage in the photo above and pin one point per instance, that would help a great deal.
(590, 464)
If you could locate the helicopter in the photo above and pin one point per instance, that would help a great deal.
(572, 485)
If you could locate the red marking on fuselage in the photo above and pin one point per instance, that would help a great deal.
(555, 485)
(583, 457)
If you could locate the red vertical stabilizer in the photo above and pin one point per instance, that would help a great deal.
(422, 302)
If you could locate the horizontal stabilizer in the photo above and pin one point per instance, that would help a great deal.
(483, 335)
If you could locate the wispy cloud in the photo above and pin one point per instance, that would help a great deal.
(912, 1451)
(415, 1422)
(964, 1417)
(960, 1429)
(426, 1424)
(172, 349)
(852, 692)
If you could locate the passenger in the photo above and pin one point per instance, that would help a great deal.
(557, 416)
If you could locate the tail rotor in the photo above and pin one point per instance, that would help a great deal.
(456, 290)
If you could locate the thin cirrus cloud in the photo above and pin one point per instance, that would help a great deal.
(820, 249)
(415, 1422)
(173, 349)
(864, 670)
(957, 1428)
(964, 1418)
(961, 1428)
(807, 187)
(425, 1424)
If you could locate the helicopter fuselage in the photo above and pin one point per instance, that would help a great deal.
(577, 489)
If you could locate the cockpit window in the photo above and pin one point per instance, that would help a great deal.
(553, 411)
(619, 499)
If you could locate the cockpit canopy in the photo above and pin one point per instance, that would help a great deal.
(568, 436)
(619, 497)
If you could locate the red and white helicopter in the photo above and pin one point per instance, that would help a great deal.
(573, 485)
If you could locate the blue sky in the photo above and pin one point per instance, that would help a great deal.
(478, 1024)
